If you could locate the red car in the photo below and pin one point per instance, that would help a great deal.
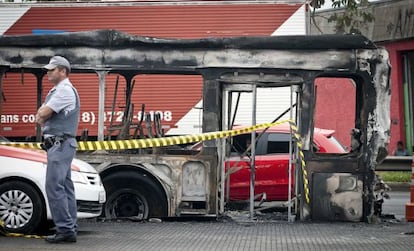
(272, 162)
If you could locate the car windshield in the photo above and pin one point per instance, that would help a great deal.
(3, 139)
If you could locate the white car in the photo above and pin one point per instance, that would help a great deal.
(23, 204)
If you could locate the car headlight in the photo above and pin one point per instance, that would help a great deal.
(78, 177)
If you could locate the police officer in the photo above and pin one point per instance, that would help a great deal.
(59, 117)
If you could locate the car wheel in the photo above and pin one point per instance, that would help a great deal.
(21, 207)
(133, 195)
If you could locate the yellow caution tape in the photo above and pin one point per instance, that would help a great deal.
(302, 161)
(8, 234)
(151, 142)
(177, 140)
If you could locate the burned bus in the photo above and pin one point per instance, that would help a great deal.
(164, 181)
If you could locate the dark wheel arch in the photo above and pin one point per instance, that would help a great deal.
(133, 194)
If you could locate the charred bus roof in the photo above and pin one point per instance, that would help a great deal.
(120, 52)
(114, 38)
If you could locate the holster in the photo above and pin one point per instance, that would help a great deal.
(51, 141)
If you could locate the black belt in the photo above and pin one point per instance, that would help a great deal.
(49, 142)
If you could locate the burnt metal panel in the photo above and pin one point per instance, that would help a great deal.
(306, 57)
(194, 183)
(333, 164)
(115, 51)
(337, 197)
(375, 119)
(117, 39)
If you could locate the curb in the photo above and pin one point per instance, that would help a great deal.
(399, 186)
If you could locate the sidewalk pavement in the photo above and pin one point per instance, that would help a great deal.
(219, 235)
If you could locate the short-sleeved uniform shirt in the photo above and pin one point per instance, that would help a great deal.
(63, 97)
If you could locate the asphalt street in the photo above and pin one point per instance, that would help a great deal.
(390, 234)
(396, 204)
(229, 236)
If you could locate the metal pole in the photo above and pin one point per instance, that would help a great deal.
(221, 159)
(230, 122)
(253, 153)
(290, 219)
(300, 198)
(2, 72)
(101, 104)
(407, 106)
(296, 172)
(307, 18)
(221, 152)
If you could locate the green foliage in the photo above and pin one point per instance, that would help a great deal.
(355, 16)
(395, 176)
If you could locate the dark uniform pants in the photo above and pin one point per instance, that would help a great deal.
(59, 186)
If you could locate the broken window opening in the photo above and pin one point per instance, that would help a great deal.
(335, 107)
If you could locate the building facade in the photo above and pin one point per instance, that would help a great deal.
(393, 28)
(176, 98)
